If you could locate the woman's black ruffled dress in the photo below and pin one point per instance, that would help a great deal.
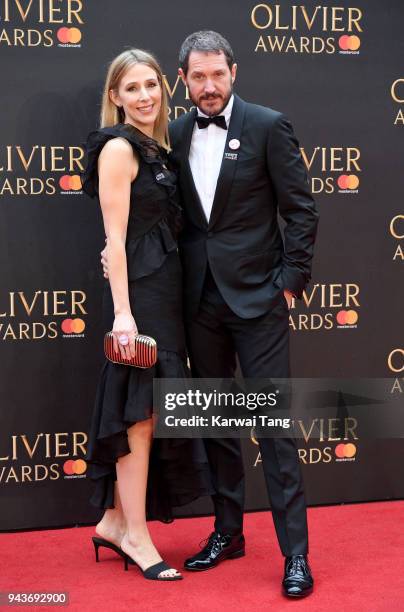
(178, 471)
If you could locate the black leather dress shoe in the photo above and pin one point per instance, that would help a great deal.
(218, 548)
(297, 581)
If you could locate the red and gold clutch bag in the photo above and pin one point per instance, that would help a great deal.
(146, 352)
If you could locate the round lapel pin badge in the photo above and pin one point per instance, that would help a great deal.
(234, 144)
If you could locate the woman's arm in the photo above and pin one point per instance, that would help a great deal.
(117, 168)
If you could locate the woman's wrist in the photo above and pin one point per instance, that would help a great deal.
(122, 311)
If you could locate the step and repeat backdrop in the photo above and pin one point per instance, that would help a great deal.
(336, 70)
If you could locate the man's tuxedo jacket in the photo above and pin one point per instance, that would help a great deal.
(242, 241)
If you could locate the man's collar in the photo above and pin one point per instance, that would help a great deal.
(226, 111)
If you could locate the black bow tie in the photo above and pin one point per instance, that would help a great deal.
(219, 120)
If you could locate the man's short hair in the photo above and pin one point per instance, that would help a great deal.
(206, 41)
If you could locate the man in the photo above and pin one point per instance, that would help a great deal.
(239, 166)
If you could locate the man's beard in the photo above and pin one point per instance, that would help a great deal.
(204, 98)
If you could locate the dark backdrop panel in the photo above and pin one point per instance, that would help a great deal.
(50, 233)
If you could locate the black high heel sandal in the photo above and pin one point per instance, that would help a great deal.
(101, 542)
(152, 572)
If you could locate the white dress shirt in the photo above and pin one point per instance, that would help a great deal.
(205, 157)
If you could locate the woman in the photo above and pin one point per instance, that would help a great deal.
(127, 171)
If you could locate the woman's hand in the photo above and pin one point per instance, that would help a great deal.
(124, 332)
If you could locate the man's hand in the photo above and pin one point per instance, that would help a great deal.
(104, 260)
(288, 296)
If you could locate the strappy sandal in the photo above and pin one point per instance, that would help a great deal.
(101, 542)
(153, 572)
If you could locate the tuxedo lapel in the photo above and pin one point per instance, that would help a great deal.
(193, 203)
(229, 161)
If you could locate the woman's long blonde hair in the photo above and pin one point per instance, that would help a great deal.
(111, 114)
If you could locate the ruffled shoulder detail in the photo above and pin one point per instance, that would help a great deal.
(149, 150)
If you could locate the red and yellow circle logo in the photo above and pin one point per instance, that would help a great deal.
(73, 326)
(69, 35)
(345, 450)
(349, 43)
(69, 182)
(347, 317)
(348, 181)
(71, 466)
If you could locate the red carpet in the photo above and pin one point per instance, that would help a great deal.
(357, 557)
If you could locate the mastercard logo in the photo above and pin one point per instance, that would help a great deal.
(345, 450)
(68, 35)
(70, 182)
(347, 317)
(348, 181)
(71, 467)
(73, 326)
(349, 43)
